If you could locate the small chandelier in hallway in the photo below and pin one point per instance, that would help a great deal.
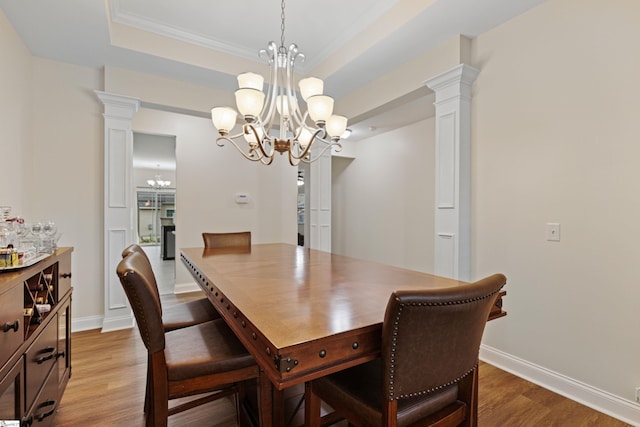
(158, 183)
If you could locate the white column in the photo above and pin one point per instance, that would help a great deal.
(453, 171)
(119, 203)
(319, 197)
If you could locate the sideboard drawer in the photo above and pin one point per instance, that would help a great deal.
(40, 358)
(64, 275)
(11, 323)
(45, 405)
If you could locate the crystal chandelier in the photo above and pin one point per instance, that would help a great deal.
(279, 108)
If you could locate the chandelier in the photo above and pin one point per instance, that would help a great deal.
(158, 183)
(279, 109)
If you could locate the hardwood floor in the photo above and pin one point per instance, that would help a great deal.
(108, 381)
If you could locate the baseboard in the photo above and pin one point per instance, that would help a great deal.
(86, 323)
(602, 401)
(183, 288)
(118, 323)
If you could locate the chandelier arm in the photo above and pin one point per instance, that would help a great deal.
(293, 160)
(253, 155)
(268, 110)
(259, 146)
(317, 132)
(325, 148)
(220, 140)
(266, 162)
(291, 93)
(307, 148)
(303, 122)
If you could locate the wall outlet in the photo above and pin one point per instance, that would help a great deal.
(638, 394)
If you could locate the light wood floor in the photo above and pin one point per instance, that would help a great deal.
(108, 381)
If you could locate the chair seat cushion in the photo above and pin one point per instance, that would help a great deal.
(204, 349)
(358, 389)
(187, 314)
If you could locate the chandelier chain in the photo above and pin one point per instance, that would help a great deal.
(282, 24)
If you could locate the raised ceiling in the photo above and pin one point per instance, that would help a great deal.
(347, 43)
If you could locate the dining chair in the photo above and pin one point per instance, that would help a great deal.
(179, 315)
(240, 239)
(427, 371)
(203, 358)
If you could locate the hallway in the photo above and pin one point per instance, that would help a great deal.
(164, 270)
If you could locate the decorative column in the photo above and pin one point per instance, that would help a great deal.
(453, 171)
(319, 202)
(118, 203)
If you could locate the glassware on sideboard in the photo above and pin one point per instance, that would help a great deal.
(28, 241)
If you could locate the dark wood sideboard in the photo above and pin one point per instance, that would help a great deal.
(35, 347)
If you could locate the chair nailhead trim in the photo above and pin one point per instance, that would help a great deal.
(394, 343)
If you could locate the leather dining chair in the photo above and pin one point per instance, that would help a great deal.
(427, 371)
(240, 239)
(180, 315)
(203, 358)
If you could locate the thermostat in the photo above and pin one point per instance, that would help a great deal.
(242, 198)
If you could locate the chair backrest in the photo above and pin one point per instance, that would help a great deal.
(142, 295)
(241, 239)
(431, 338)
(146, 269)
(135, 248)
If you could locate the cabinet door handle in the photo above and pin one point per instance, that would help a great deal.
(9, 326)
(65, 275)
(51, 355)
(44, 415)
(60, 354)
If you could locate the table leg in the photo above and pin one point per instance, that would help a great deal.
(265, 400)
(278, 407)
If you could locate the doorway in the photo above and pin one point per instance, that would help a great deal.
(154, 177)
(302, 203)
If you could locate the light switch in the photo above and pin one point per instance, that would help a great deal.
(553, 232)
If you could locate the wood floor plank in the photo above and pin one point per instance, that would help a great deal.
(108, 381)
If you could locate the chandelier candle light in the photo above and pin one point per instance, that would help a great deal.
(297, 131)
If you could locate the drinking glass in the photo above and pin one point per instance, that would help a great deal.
(5, 213)
(49, 229)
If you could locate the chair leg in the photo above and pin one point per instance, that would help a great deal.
(239, 396)
(468, 393)
(311, 407)
(158, 396)
(147, 391)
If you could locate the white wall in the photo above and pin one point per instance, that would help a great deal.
(383, 200)
(64, 172)
(555, 139)
(14, 113)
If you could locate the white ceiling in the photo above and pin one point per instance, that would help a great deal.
(346, 42)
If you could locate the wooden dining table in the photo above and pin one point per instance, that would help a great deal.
(303, 313)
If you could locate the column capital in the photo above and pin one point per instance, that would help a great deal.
(118, 106)
(455, 82)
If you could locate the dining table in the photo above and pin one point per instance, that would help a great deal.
(303, 313)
